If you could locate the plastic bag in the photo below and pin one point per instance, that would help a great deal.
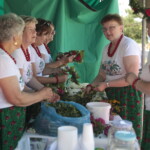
(48, 120)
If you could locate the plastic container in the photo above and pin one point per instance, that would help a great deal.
(99, 110)
(123, 140)
(123, 125)
(87, 138)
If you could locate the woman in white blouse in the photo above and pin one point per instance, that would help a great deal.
(142, 83)
(43, 61)
(13, 100)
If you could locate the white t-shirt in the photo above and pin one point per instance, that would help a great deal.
(7, 69)
(145, 75)
(113, 66)
(39, 62)
(47, 56)
(22, 63)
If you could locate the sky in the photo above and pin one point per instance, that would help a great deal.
(123, 5)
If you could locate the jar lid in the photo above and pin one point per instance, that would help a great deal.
(125, 135)
(123, 124)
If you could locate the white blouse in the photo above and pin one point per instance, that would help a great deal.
(22, 63)
(39, 62)
(114, 66)
(7, 69)
(47, 57)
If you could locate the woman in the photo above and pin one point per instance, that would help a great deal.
(13, 101)
(143, 84)
(43, 29)
(47, 68)
(24, 60)
(45, 34)
(120, 56)
(23, 55)
(40, 70)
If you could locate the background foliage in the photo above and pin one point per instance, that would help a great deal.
(133, 26)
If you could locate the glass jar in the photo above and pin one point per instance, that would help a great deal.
(123, 140)
(123, 125)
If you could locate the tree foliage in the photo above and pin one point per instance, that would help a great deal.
(133, 26)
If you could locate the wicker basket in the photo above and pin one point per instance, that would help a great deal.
(147, 3)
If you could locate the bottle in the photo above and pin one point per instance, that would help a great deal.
(123, 140)
(123, 125)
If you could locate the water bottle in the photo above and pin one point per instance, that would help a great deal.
(124, 140)
(123, 125)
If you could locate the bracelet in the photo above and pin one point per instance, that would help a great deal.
(57, 80)
(107, 84)
(134, 82)
(89, 85)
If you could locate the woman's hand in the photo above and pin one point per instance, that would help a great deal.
(55, 98)
(88, 89)
(70, 58)
(67, 59)
(101, 87)
(62, 78)
(130, 77)
(57, 71)
(49, 95)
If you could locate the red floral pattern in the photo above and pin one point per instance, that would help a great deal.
(146, 131)
(133, 105)
(11, 126)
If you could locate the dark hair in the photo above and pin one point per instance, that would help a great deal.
(111, 17)
(43, 26)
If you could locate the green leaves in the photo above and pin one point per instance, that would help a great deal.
(73, 73)
(82, 98)
(66, 110)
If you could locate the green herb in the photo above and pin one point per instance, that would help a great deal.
(81, 97)
(72, 72)
(66, 110)
(99, 149)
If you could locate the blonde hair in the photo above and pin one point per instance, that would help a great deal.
(29, 19)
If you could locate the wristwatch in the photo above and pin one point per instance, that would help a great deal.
(107, 84)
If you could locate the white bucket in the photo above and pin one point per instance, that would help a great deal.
(99, 110)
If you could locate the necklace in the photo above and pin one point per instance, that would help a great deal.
(47, 48)
(8, 54)
(116, 46)
(26, 53)
(37, 50)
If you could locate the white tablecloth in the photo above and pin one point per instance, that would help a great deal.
(24, 143)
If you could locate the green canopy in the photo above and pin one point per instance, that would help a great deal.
(77, 24)
(1, 7)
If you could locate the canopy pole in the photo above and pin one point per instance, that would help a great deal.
(143, 54)
(143, 36)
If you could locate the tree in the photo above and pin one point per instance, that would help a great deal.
(133, 26)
